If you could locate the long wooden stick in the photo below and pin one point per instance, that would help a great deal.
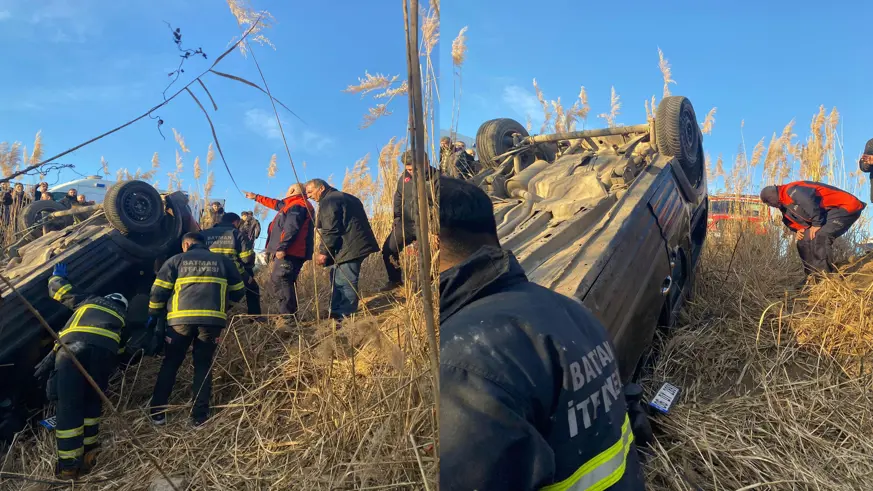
(112, 409)
(416, 127)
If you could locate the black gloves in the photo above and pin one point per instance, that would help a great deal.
(45, 367)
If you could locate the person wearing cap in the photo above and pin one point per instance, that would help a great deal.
(94, 336)
(193, 291)
(817, 214)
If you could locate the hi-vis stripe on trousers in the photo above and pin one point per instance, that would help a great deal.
(604, 470)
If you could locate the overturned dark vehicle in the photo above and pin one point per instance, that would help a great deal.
(116, 246)
(614, 217)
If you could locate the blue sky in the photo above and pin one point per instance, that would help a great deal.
(76, 68)
(765, 62)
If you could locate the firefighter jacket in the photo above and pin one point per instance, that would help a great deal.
(406, 200)
(96, 320)
(806, 204)
(345, 230)
(194, 288)
(291, 230)
(530, 393)
(230, 243)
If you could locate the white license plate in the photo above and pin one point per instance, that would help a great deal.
(50, 423)
(665, 398)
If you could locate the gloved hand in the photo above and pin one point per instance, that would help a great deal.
(60, 270)
(156, 340)
(44, 367)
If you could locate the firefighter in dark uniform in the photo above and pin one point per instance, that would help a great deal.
(530, 393)
(94, 335)
(192, 289)
(817, 214)
(226, 239)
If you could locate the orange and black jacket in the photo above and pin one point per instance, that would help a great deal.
(806, 204)
(194, 288)
(292, 229)
(230, 243)
(96, 320)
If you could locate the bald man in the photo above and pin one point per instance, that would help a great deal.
(290, 241)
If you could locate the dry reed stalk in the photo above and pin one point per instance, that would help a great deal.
(36, 154)
(547, 115)
(273, 167)
(760, 407)
(459, 48)
(198, 171)
(708, 122)
(614, 107)
(666, 73)
(255, 21)
(430, 30)
(180, 141)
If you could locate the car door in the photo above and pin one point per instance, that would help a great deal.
(628, 294)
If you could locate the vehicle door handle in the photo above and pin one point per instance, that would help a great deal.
(666, 286)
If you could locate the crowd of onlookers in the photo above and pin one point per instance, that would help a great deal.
(15, 197)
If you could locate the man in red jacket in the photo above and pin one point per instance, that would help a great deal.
(817, 213)
(290, 241)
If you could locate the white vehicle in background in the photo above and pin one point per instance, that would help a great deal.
(94, 188)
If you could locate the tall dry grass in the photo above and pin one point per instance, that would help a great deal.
(766, 402)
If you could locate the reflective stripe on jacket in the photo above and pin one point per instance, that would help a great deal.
(230, 243)
(530, 393)
(96, 320)
(194, 288)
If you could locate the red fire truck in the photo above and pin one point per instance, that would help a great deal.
(731, 207)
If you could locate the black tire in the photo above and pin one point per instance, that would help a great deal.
(133, 207)
(679, 136)
(33, 213)
(494, 138)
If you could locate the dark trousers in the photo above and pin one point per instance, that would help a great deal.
(817, 254)
(79, 406)
(283, 274)
(344, 288)
(253, 294)
(179, 338)
(396, 241)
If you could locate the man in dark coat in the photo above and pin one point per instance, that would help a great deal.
(403, 230)
(530, 393)
(290, 241)
(346, 240)
(70, 200)
(250, 228)
(817, 214)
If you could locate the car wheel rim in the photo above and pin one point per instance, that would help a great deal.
(137, 206)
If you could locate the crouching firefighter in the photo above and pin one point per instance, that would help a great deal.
(93, 335)
(192, 290)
